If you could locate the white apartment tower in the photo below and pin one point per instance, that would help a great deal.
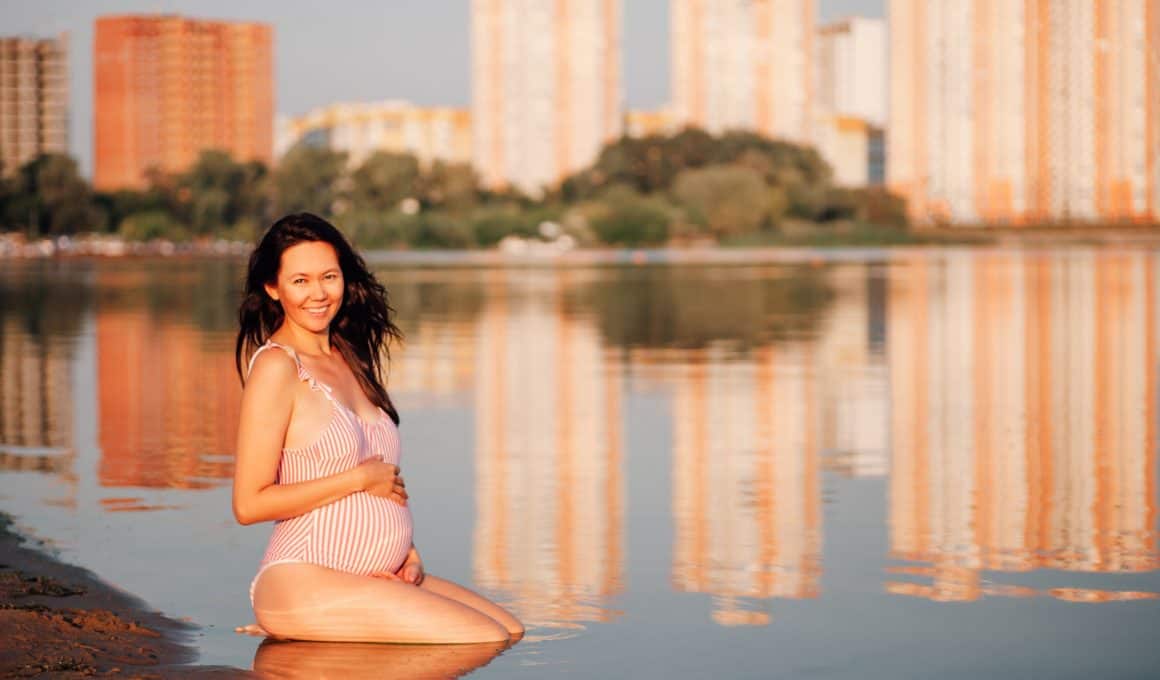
(546, 87)
(852, 66)
(1020, 112)
(744, 64)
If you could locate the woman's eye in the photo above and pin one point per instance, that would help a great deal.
(299, 281)
(331, 277)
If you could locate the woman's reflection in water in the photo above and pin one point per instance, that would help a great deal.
(357, 660)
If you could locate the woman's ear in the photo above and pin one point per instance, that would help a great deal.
(272, 291)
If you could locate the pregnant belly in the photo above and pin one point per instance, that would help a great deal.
(361, 534)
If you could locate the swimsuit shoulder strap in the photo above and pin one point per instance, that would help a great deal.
(303, 374)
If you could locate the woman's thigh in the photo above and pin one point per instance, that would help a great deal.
(454, 591)
(309, 602)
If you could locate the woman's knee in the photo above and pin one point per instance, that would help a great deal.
(478, 627)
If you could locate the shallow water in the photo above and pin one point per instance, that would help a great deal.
(849, 464)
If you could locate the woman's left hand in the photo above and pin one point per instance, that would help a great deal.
(412, 569)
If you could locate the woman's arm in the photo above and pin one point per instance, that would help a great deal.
(267, 405)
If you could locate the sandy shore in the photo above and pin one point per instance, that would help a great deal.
(60, 621)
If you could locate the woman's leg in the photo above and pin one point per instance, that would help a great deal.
(309, 602)
(456, 592)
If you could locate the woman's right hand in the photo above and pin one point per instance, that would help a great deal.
(383, 479)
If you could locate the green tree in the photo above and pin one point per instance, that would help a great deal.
(625, 217)
(309, 179)
(383, 180)
(453, 186)
(218, 193)
(49, 197)
(724, 199)
(154, 224)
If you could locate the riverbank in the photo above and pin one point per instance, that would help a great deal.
(61, 621)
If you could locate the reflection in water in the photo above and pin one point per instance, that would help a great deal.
(549, 471)
(1024, 408)
(38, 325)
(168, 392)
(746, 493)
(1009, 398)
(358, 661)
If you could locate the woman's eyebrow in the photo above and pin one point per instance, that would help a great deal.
(326, 271)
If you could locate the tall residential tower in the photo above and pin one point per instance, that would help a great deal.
(33, 99)
(546, 87)
(1018, 112)
(744, 64)
(167, 88)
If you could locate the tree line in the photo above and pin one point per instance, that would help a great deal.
(640, 191)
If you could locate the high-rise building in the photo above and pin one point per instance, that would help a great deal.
(744, 64)
(360, 129)
(545, 87)
(167, 88)
(34, 99)
(1020, 112)
(851, 98)
(852, 64)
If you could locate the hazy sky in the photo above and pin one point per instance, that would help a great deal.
(354, 50)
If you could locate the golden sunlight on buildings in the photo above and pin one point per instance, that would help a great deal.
(744, 64)
(550, 489)
(1023, 390)
(1018, 112)
(650, 122)
(167, 87)
(746, 487)
(360, 129)
(546, 89)
(34, 99)
(169, 398)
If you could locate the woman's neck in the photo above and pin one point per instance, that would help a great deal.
(302, 340)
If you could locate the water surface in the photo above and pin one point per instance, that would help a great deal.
(887, 464)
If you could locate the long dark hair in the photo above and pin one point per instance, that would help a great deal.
(362, 330)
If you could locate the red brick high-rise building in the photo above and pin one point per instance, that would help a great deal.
(167, 88)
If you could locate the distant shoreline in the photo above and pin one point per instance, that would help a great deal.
(63, 620)
(789, 247)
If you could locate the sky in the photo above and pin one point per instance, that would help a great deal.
(357, 50)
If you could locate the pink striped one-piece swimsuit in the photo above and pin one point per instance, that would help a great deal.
(360, 533)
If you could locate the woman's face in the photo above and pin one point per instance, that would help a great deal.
(309, 285)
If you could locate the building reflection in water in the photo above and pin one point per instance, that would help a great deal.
(38, 337)
(1023, 392)
(169, 396)
(746, 495)
(549, 471)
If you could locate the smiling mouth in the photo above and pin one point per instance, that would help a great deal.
(317, 310)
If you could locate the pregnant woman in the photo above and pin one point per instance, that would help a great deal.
(318, 454)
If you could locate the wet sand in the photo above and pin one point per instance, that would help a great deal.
(60, 621)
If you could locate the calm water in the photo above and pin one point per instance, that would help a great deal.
(877, 465)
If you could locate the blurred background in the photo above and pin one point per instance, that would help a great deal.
(743, 337)
(456, 124)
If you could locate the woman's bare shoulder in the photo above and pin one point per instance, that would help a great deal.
(272, 369)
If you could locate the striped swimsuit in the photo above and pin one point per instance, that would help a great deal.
(360, 533)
